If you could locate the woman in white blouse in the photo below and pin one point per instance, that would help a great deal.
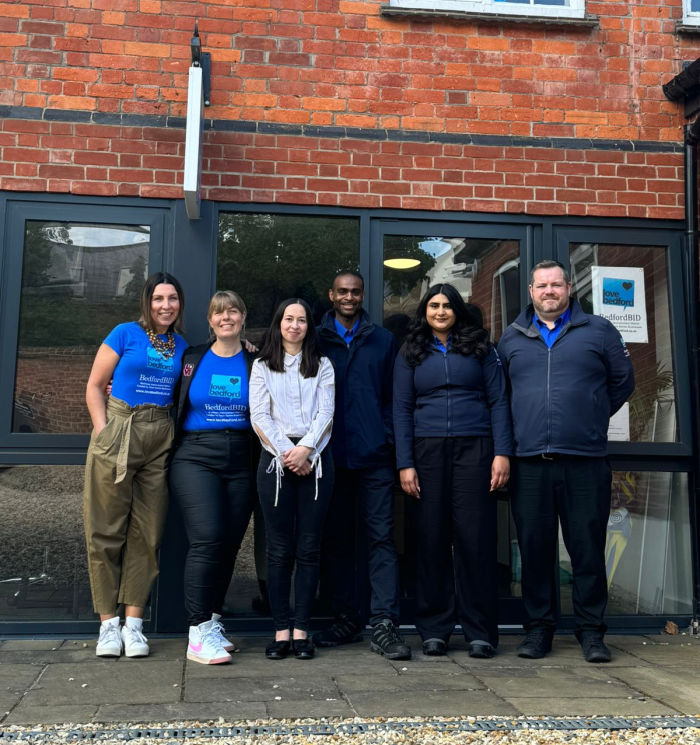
(292, 392)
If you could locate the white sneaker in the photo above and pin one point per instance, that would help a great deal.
(135, 643)
(204, 645)
(109, 643)
(227, 644)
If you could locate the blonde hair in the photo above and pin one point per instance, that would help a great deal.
(223, 299)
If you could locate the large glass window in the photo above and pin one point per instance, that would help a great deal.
(267, 258)
(486, 271)
(561, 8)
(42, 555)
(629, 285)
(78, 281)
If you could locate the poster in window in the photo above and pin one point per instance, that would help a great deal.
(618, 295)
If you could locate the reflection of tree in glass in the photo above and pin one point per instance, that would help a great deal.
(268, 258)
(401, 281)
(39, 239)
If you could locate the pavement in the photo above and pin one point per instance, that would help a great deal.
(52, 681)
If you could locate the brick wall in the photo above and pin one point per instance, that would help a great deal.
(81, 81)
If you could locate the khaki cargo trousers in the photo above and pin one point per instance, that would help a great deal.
(125, 503)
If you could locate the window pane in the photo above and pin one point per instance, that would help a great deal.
(268, 258)
(44, 571)
(650, 415)
(485, 271)
(695, 6)
(78, 280)
(648, 546)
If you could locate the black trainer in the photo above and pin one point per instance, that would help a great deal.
(593, 646)
(345, 630)
(387, 641)
(537, 643)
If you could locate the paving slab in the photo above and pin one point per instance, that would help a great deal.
(28, 713)
(15, 680)
(677, 687)
(30, 644)
(553, 683)
(181, 712)
(661, 650)
(115, 681)
(286, 709)
(584, 707)
(382, 684)
(431, 703)
(299, 688)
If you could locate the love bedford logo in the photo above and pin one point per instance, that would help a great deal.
(619, 292)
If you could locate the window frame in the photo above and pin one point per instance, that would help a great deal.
(575, 9)
(41, 447)
(690, 17)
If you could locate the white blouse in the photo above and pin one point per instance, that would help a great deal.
(286, 405)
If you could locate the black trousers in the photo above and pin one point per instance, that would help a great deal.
(573, 491)
(454, 524)
(293, 532)
(358, 544)
(211, 480)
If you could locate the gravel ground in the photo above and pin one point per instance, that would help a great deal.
(520, 731)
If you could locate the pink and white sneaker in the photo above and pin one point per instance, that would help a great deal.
(204, 645)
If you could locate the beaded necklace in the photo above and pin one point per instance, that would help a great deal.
(165, 349)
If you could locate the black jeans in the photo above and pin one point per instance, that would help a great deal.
(454, 524)
(211, 479)
(362, 502)
(293, 531)
(573, 491)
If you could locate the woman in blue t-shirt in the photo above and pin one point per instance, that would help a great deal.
(126, 495)
(210, 472)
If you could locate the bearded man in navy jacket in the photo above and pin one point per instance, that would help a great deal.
(568, 373)
(363, 357)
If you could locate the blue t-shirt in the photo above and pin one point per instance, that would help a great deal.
(218, 394)
(143, 375)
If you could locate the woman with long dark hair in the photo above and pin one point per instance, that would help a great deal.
(210, 471)
(126, 495)
(292, 392)
(453, 438)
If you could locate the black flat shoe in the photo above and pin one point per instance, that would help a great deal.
(481, 650)
(303, 648)
(434, 647)
(277, 650)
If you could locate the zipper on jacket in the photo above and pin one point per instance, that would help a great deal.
(547, 404)
(447, 394)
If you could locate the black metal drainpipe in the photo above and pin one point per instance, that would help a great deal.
(692, 135)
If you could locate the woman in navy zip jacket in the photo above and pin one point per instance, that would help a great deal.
(453, 438)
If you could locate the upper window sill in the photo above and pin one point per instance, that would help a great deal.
(457, 15)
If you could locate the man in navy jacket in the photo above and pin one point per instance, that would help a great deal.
(363, 357)
(568, 373)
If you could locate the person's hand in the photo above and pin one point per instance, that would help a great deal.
(500, 472)
(250, 347)
(297, 460)
(409, 482)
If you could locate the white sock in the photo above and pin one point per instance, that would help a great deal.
(134, 623)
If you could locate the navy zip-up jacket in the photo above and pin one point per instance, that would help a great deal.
(562, 398)
(450, 395)
(362, 427)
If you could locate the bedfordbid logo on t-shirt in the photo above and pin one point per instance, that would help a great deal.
(155, 361)
(225, 386)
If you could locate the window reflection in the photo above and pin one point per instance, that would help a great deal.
(78, 280)
(652, 407)
(648, 546)
(43, 571)
(267, 258)
(485, 271)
